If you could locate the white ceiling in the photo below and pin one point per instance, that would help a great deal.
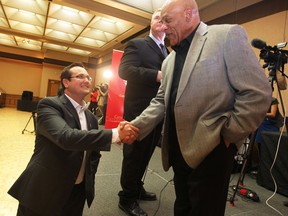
(89, 28)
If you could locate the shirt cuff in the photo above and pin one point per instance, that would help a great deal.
(115, 136)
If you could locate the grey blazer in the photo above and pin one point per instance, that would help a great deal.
(223, 91)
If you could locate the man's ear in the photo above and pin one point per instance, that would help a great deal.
(188, 14)
(65, 82)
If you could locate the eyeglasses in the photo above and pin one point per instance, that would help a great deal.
(82, 77)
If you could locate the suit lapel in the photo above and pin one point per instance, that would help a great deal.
(192, 57)
(70, 108)
(89, 120)
(169, 69)
(151, 43)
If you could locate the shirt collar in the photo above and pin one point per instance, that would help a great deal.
(158, 42)
(77, 106)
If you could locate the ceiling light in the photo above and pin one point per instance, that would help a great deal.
(27, 12)
(108, 20)
(64, 22)
(70, 9)
(24, 41)
(107, 74)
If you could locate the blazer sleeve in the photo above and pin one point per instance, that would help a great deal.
(152, 115)
(251, 86)
(57, 123)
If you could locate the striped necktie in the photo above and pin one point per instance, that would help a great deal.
(163, 50)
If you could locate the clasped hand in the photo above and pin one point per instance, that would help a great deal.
(127, 132)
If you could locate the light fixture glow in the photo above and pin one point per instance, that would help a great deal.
(107, 74)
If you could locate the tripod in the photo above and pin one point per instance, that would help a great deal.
(246, 156)
(275, 63)
(33, 115)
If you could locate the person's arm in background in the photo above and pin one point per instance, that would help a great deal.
(103, 94)
(271, 114)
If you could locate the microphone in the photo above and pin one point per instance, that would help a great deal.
(259, 44)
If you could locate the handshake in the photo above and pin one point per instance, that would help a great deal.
(128, 133)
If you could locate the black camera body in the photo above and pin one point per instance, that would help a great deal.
(274, 56)
(271, 55)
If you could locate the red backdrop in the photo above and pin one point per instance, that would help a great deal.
(115, 103)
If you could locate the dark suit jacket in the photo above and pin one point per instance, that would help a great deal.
(49, 177)
(140, 64)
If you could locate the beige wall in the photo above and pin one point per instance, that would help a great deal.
(51, 72)
(17, 76)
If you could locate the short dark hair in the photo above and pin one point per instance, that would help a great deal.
(66, 73)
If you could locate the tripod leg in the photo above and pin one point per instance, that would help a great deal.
(249, 154)
(27, 125)
(34, 120)
(243, 169)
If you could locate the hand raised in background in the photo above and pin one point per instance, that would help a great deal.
(127, 132)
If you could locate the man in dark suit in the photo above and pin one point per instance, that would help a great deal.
(141, 67)
(60, 174)
(214, 93)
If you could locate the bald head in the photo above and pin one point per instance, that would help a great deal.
(185, 3)
(180, 18)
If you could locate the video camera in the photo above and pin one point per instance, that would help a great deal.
(272, 55)
(275, 58)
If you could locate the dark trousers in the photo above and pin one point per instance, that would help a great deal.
(73, 207)
(104, 113)
(135, 160)
(203, 191)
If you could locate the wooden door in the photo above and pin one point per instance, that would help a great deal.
(53, 86)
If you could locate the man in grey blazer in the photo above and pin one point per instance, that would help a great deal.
(214, 93)
(60, 174)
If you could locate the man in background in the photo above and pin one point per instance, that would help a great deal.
(61, 172)
(213, 94)
(141, 67)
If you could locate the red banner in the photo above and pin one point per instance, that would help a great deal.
(117, 86)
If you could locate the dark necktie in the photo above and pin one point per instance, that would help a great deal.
(163, 50)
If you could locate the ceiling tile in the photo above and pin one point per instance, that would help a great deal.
(7, 40)
(26, 27)
(60, 35)
(90, 42)
(24, 16)
(3, 23)
(54, 47)
(34, 6)
(78, 51)
(63, 26)
(69, 15)
(28, 44)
